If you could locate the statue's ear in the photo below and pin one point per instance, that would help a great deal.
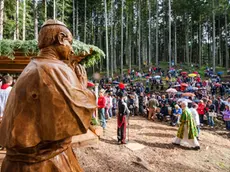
(61, 37)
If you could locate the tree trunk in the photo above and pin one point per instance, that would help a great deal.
(54, 9)
(122, 44)
(77, 36)
(115, 48)
(213, 38)
(24, 21)
(74, 15)
(150, 43)
(106, 40)
(186, 39)
(63, 11)
(200, 42)
(170, 51)
(226, 41)
(175, 43)
(35, 19)
(139, 35)
(157, 28)
(45, 2)
(220, 40)
(17, 20)
(111, 38)
(86, 21)
(1, 18)
(127, 38)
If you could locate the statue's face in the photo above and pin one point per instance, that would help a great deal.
(65, 49)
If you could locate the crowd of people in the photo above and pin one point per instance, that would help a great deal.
(161, 99)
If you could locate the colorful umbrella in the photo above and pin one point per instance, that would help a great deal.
(184, 100)
(217, 84)
(188, 95)
(90, 84)
(171, 90)
(184, 85)
(196, 72)
(184, 73)
(192, 75)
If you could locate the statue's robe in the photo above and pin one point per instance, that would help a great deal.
(46, 107)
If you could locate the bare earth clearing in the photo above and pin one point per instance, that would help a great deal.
(158, 154)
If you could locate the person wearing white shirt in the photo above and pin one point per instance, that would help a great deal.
(195, 115)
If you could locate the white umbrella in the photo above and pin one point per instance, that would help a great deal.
(157, 77)
(184, 100)
(171, 90)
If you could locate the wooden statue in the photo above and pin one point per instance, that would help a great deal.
(48, 105)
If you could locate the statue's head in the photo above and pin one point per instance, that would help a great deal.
(55, 33)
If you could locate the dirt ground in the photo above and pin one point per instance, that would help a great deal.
(158, 154)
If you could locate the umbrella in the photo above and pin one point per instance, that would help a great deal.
(157, 77)
(121, 86)
(196, 72)
(184, 85)
(195, 88)
(171, 90)
(217, 84)
(115, 82)
(90, 84)
(148, 77)
(220, 73)
(188, 94)
(184, 100)
(184, 73)
(192, 75)
(203, 88)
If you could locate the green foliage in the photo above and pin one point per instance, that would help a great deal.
(8, 48)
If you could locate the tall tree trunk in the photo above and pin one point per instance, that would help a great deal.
(213, 37)
(170, 51)
(226, 41)
(45, 4)
(127, 38)
(186, 39)
(220, 40)
(1, 18)
(106, 40)
(54, 9)
(111, 38)
(74, 20)
(17, 20)
(63, 11)
(150, 43)
(122, 44)
(157, 34)
(175, 43)
(35, 19)
(100, 45)
(24, 21)
(200, 42)
(115, 47)
(86, 21)
(139, 35)
(77, 36)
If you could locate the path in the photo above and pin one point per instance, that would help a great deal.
(158, 154)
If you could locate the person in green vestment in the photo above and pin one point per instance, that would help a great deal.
(187, 131)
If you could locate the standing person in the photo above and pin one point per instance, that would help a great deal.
(193, 109)
(187, 132)
(123, 111)
(201, 111)
(141, 104)
(226, 114)
(211, 113)
(4, 93)
(101, 103)
(152, 105)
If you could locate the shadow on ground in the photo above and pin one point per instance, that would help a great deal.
(158, 134)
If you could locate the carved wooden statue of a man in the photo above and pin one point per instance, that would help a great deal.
(48, 105)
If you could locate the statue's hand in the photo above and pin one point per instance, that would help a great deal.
(81, 74)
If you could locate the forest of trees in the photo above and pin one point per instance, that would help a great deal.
(131, 32)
